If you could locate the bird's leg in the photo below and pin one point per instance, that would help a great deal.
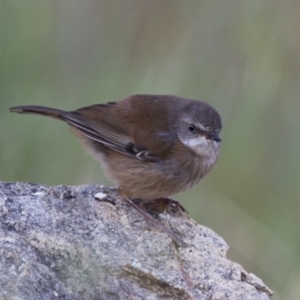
(155, 223)
(166, 203)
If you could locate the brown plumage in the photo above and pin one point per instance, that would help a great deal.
(151, 146)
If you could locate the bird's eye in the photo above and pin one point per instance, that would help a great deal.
(191, 128)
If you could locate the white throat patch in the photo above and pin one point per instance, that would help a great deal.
(201, 145)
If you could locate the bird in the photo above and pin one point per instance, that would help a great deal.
(150, 146)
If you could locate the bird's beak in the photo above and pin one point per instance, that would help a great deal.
(213, 136)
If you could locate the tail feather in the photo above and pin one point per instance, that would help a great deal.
(39, 110)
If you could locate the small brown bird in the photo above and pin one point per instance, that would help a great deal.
(151, 146)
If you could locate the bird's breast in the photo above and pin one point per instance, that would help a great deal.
(194, 167)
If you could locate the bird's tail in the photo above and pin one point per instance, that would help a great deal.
(40, 110)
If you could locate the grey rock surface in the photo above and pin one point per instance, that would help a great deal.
(85, 242)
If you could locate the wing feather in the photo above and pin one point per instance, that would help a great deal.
(99, 132)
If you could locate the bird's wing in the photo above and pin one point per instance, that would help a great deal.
(111, 136)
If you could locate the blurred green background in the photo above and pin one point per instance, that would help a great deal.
(242, 57)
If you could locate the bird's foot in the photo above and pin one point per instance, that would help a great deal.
(164, 204)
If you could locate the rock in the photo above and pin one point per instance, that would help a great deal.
(85, 242)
